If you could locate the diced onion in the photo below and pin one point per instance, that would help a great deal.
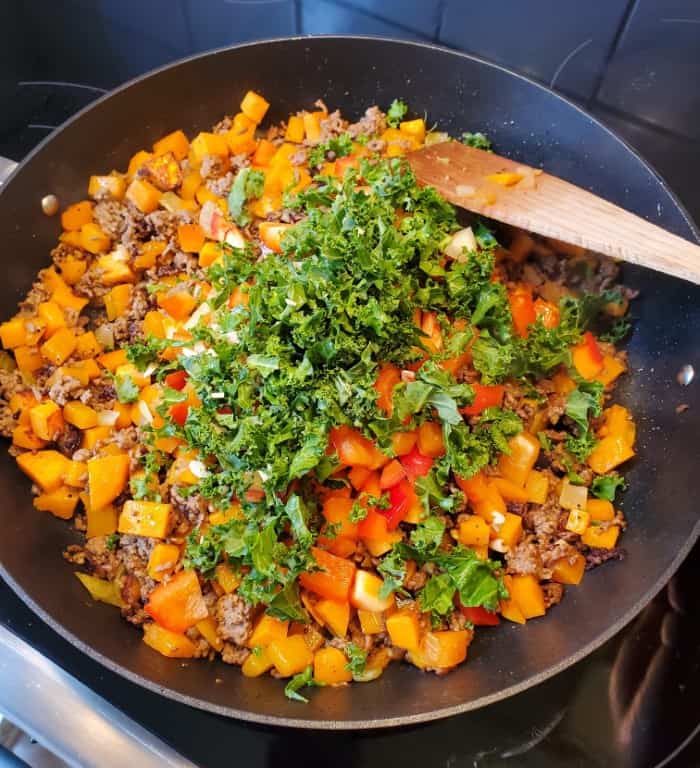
(144, 414)
(497, 520)
(573, 496)
(202, 310)
(465, 190)
(105, 336)
(464, 239)
(436, 137)
(498, 545)
(107, 418)
(198, 469)
(234, 238)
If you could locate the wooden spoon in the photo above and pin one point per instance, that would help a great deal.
(530, 199)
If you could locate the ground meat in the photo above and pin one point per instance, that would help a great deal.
(112, 217)
(415, 580)
(234, 619)
(362, 556)
(376, 145)
(134, 552)
(102, 391)
(136, 229)
(186, 262)
(7, 421)
(456, 621)
(285, 215)
(517, 507)
(232, 654)
(98, 559)
(543, 519)
(65, 388)
(372, 123)
(212, 165)
(36, 295)
(222, 126)
(553, 594)
(164, 224)
(10, 383)
(525, 558)
(221, 185)
(140, 303)
(359, 638)
(556, 550)
(239, 161)
(125, 438)
(331, 126)
(190, 509)
(68, 441)
(90, 286)
(596, 556)
(202, 647)
(131, 594)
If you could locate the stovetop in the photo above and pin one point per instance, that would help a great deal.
(635, 703)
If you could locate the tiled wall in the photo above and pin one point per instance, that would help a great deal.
(636, 61)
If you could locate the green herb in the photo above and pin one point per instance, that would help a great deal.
(477, 582)
(427, 535)
(358, 512)
(140, 487)
(144, 352)
(127, 391)
(393, 568)
(396, 113)
(357, 659)
(112, 541)
(619, 329)
(606, 486)
(586, 399)
(477, 140)
(302, 680)
(248, 184)
(340, 146)
(545, 441)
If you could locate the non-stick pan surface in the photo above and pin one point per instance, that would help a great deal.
(458, 93)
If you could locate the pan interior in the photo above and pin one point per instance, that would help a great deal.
(458, 93)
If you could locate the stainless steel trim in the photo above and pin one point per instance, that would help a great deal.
(6, 168)
(68, 718)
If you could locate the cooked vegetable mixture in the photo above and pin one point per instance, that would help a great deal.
(306, 420)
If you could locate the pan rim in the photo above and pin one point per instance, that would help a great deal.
(403, 720)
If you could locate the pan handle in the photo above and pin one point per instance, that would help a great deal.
(76, 724)
(7, 166)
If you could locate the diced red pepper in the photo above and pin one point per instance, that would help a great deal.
(374, 526)
(355, 450)
(179, 604)
(485, 396)
(522, 308)
(416, 464)
(587, 357)
(402, 497)
(389, 376)
(479, 616)
(178, 413)
(548, 312)
(475, 488)
(333, 580)
(176, 380)
(392, 474)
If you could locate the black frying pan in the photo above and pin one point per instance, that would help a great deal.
(459, 93)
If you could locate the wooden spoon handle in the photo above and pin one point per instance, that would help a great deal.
(552, 207)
